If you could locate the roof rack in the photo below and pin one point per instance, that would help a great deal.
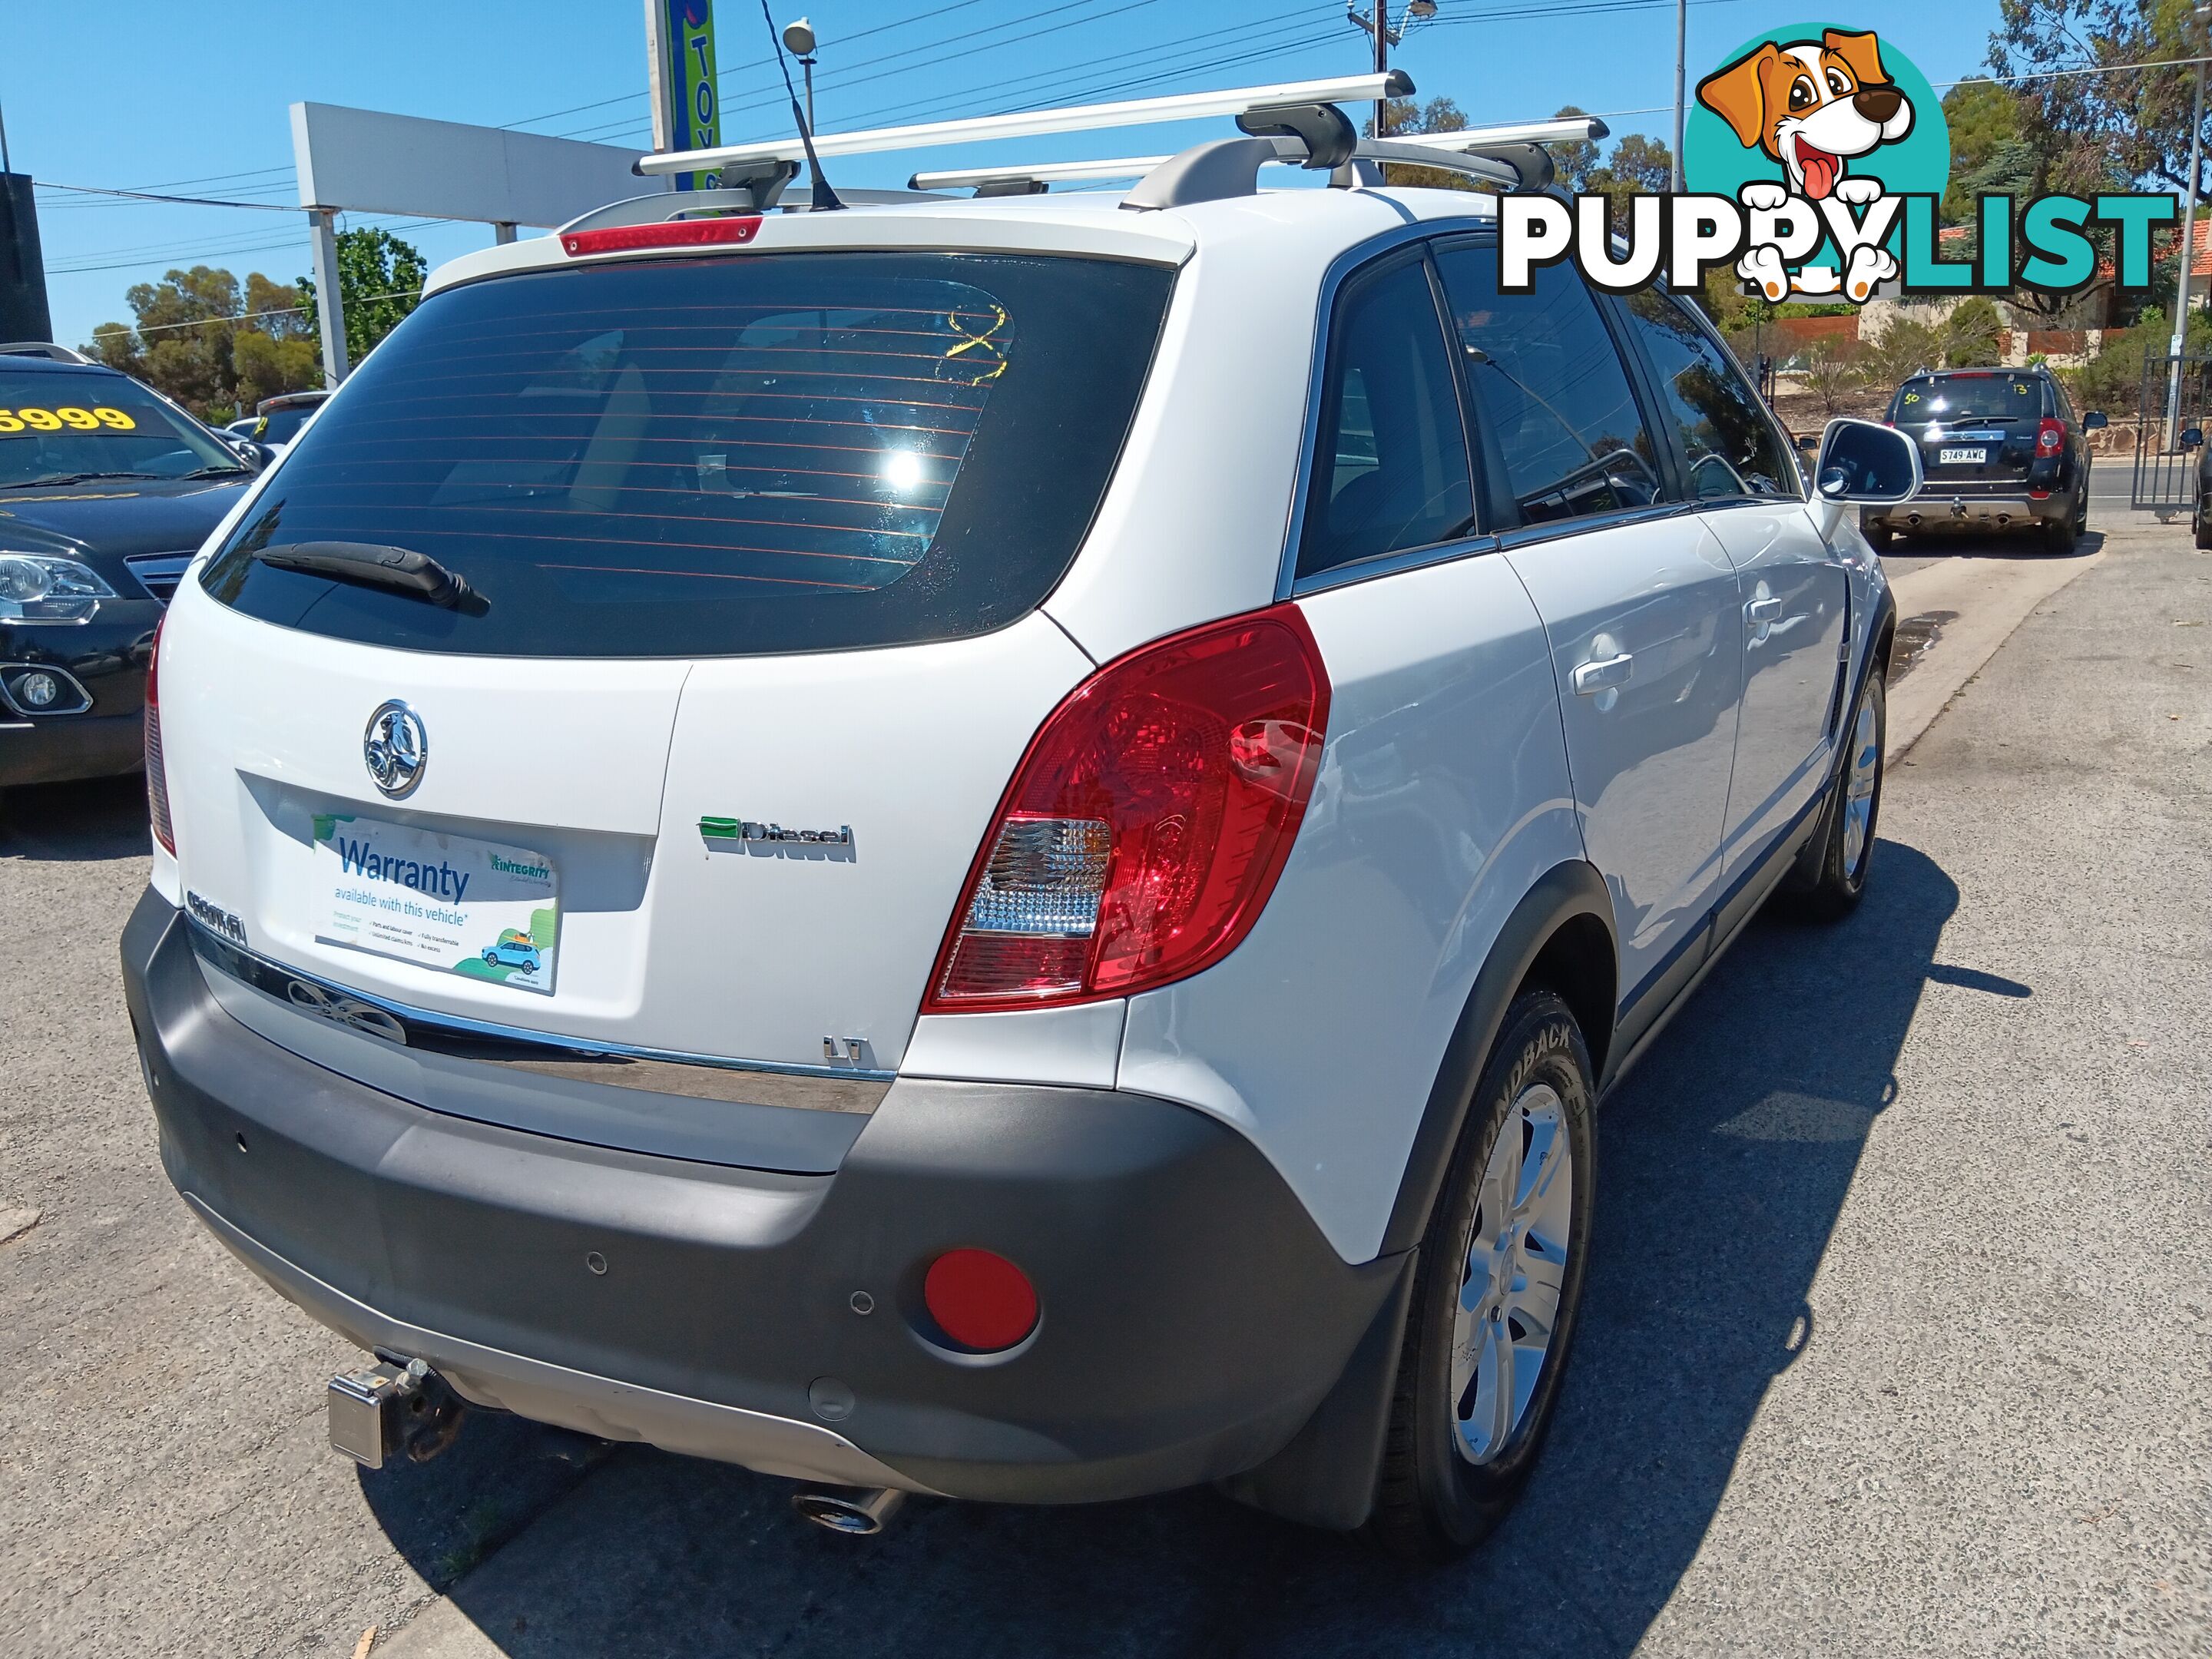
(1030, 124)
(60, 354)
(1509, 157)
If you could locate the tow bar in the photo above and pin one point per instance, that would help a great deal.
(394, 1406)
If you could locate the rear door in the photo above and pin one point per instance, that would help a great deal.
(749, 649)
(1637, 597)
(1976, 429)
(1791, 590)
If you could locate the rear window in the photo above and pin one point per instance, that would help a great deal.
(1953, 398)
(281, 426)
(717, 458)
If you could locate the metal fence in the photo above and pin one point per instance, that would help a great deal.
(2177, 400)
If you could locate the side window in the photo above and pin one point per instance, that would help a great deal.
(1391, 468)
(1549, 386)
(1727, 441)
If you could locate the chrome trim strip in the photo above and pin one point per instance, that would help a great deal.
(821, 1088)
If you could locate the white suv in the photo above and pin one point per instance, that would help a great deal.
(992, 848)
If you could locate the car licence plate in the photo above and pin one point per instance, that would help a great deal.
(480, 908)
(1961, 457)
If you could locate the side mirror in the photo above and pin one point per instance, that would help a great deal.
(2192, 437)
(2094, 421)
(1872, 466)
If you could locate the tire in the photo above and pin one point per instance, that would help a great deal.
(2058, 535)
(2201, 524)
(2081, 512)
(1444, 1488)
(1830, 876)
(1879, 537)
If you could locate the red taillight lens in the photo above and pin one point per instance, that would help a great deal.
(157, 780)
(679, 233)
(979, 1300)
(2049, 437)
(1147, 826)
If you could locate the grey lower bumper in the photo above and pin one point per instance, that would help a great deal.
(1192, 1315)
(1931, 512)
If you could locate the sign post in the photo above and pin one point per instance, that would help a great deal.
(687, 112)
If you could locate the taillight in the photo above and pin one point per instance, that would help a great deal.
(677, 233)
(2049, 437)
(1145, 827)
(157, 780)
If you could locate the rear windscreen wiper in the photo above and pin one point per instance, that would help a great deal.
(398, 569)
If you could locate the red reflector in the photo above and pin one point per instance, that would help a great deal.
(979, 1300)
(678, 233)
(157, 777)
(1145, 829)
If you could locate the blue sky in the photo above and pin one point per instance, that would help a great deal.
(193, 99)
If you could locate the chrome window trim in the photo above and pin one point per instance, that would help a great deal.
(1288, 585)
(542, 1049)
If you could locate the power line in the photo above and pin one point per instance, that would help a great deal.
(147, 195)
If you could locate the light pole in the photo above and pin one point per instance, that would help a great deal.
(1681, 83)
(1385, 37)
(800, 37)
(2188, 254)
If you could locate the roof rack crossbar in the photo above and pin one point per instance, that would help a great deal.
(1082, 118)
(60, 354)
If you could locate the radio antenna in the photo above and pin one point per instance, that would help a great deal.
(825, 199)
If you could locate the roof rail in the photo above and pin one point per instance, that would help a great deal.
(60, 354)
(1081, 118)
(1507, 156)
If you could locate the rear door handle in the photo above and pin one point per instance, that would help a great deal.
(1592, 678)
(1762, 610)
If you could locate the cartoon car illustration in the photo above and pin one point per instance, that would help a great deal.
(513, 950)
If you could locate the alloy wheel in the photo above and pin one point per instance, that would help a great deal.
(1858, 794)
(1517, 1267)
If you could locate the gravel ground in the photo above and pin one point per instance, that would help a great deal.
(1896, 1338)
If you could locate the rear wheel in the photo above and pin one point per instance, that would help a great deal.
(2058, 534)
(1830, 875)
(2201, 524)
(1880, 537)
(1495, 1294)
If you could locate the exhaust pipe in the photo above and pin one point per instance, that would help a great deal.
(856, 1512)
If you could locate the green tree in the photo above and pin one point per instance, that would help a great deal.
(2092, 131)
(1899, 352)
(1983, 116)
(203, 339)
(1831, 369)
(1972, 334)
(379, 280)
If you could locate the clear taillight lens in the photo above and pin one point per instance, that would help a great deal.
(157, 780)
(1145, 828)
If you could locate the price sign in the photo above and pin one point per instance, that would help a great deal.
(65, 417)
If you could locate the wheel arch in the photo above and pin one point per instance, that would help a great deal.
(1560, 936)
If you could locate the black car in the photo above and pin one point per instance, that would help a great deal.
(2002, 450)
(106, 490)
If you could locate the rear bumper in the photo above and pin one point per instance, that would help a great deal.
(1934, 511)
(1193, 1316)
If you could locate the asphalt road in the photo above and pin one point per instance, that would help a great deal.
(1897, 1336)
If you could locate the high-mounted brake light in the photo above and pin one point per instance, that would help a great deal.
(676, 233)
(1147, 826)
(157, 779)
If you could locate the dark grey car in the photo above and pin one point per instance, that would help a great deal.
(2003, 452)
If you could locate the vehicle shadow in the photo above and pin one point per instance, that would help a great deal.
(2026, 546)
(1723, 1165)
(74, 823)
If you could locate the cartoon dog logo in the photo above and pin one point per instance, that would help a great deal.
(1813, 107)
(1811, 104)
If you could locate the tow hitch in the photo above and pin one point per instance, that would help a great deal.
(394, 1406)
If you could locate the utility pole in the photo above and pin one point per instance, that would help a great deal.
(1382, 58)
(2188, 256)
(1681, 84)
